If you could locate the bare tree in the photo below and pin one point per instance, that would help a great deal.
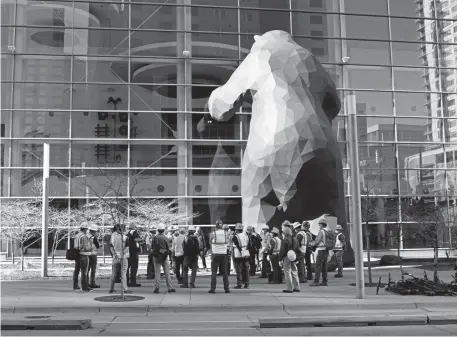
(21, 222)
(429, 227)
(61, 225)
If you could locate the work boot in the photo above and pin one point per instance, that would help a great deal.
(237, 287)
(314, 284)
(324, 284)
(246, 286)
(184, 286)
(94, 286)
(156, 291)
(338, 275)
(211, 291)
(192, 285)
(134, 285)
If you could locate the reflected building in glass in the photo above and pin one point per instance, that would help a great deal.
(117, 88)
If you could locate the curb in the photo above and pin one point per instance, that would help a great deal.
(46, 324)
(345, 321)
(144, 308)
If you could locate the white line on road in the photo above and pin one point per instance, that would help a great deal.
(181, 322)
(197, 329)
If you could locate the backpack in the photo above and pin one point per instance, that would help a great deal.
(330, 240)
(191, 246)
(258, 241)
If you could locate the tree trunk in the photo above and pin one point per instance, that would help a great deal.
(370, 279)
(22, 259)
(435, 264)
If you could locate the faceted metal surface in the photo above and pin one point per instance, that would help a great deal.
(292, 166)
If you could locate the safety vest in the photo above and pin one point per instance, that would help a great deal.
(243, 242)
(303, 243)
(219, 243)
(277, 248)
(338, 243)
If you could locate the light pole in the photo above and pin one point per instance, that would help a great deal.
(355, 195)
(44, 213)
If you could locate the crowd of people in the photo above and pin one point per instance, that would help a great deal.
(279, 255)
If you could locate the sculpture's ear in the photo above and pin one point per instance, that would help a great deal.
(256, 38)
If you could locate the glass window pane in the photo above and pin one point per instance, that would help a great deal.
(100, 97)
(403, 8)
(374, 7)
(157, 183)
(99, 183)
(26, 182)
(259, 21)
(96, 154)
(368, 52)
(29, 153)
(315, 5)
(316, 25)
(413, 79)
(228, 210)
(42, 96)
(417, 104)
(373, 103)
(369, 77)
(215, 182)
(100, 124)
(207, 156)
(366, 27)
(153, 17)
(40, 124)
(154, 156)
(215, 45)
(407, 54)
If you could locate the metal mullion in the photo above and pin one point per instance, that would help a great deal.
(290, 18)
(129, 125)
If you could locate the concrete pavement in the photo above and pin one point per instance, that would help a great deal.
(58, 296)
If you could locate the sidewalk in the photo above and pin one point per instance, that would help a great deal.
(49, 296)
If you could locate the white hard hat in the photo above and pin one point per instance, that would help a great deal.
(85, 224)
(291, 255)
(161, 226)
(93, 227)
(297, 224)
(191, 228)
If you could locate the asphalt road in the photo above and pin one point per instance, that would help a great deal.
(223, 324)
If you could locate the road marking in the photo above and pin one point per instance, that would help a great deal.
(198, 329)
(180, 322)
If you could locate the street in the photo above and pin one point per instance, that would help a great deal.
(226, 323)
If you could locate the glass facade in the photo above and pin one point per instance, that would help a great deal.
(121, 85)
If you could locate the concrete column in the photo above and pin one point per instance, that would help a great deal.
(184, 102)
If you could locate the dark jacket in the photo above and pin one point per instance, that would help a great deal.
(161, 244)
(288, 243)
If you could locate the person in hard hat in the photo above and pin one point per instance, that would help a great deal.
(301, 238)
(340, 246)
(178, 252)
(287, 254)
(226, 229)
(255, 243)
(161, 252)
(219, 240)
(322, 255)
(309, 249)
(149, 240)
(241, 257)
(120, 252)
(81, 244)
(266, 237)
(93, 229)
(134, 256)
(274, 248)
(229, 234)
(191, 249)
(203, 246)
